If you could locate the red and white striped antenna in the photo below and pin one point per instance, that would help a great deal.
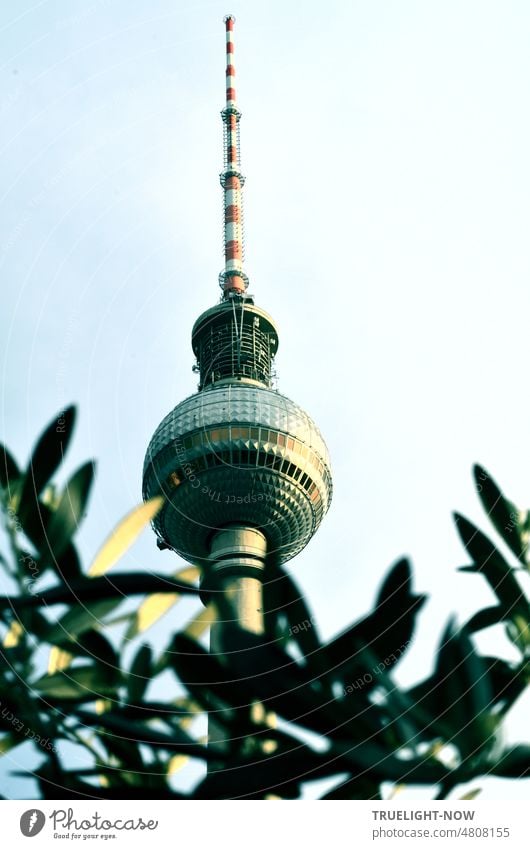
(232, 279)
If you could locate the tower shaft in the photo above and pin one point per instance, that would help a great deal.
(237, 563)
(244, 470)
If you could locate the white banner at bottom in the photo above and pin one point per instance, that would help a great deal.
(235, 825)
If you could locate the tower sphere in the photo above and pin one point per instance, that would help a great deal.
(238, 453)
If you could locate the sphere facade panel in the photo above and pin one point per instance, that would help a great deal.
(238, 453)
(238, 404)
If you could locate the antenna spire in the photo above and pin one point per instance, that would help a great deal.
(232, 279)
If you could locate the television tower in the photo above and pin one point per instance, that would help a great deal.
(244, 470)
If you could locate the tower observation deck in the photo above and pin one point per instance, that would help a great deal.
(244, 470)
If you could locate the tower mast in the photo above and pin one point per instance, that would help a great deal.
(232, 279)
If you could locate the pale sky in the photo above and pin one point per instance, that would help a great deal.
(385, 147)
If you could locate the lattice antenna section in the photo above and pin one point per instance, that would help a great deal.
(232, 279)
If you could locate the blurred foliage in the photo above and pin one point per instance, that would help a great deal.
(364, 729)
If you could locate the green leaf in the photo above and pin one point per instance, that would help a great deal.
(83, 683)
(471, 794)
(46, 458)
(86, 643)
(34, 623)
(396, 584)
(157, 605)
(78, 619)
(140, 673)
(36, 528)
(8, 742)
(518, 627)
(181, 712)
(176, 763)
(515, 763)
(9, 470)
(127, 730)
(503, 514)
(507, 682)
(34, 524)
(458, 662)
(282, 596)
(85, 590)
(67, 565)
(199, 623)
(387, 632)
(518, 631)
(15, 632)
(203, 675)
(59, 660)
(488, 560)
(459, 696)
(124, 752)
(70, 509)
(124, 535)
(150, 611)
(486, 618)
